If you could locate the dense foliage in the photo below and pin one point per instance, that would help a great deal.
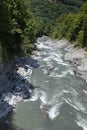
(21, 21)
(76, 3)
(17, 27)
(49, 10)
(73, 27)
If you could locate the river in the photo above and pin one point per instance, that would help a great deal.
(58, 102)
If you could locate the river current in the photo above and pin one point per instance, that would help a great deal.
(58, 102)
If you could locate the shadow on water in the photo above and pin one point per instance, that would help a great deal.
(13, 82)
(5, 126)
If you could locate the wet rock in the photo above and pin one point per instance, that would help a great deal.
(0, 95)
(23, 80)
(78, 58)
(46, 107)
(73, 53)
(46, 72)
(51, 67)
(27, 96)
(30, 86)
(43, 38)
(14, 86)
(7, 123)
(5, 109)
(35, 47)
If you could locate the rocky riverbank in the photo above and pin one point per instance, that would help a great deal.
(77, 56)
(15, 84)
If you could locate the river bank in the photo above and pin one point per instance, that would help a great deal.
(15, 84)
(77, 56)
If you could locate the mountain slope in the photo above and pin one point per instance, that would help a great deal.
(72, 26)
(49, 10)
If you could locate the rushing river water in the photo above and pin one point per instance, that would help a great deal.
(58, 102)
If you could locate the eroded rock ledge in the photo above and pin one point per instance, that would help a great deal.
(78, 57)
(15, 84)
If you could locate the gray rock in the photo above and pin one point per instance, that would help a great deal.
(77, 56)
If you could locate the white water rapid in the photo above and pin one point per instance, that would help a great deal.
(58, 102)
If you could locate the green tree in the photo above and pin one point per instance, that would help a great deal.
(17, 27)
(73, 27)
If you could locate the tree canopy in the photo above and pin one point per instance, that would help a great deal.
(49, 10)
(73, 26)
(18, 27)
(21, 21)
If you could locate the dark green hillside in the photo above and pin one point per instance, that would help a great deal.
(73, 27)
(22, 21)
(18, 28)
(76, 3)
(49, 10)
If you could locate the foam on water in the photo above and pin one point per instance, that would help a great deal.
(65, 91)
(46, 81)
(53, 112)
(68, 72)
(53, 56)
(45, 71)
(50, 107)
(80, 106)
(70, 103)
(64, 64)
(56, 99)
(71, 72)
(43, 46)
(76, 105)
(57, 59)
(74, 92)
(55, 75)
(43, 53)
(43, 97)
(35, 95)
(57, 55)
(64, 74)
(81, 122)
(46, 59)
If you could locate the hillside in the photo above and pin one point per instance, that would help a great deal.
(76, 3)
(18, 28)
(72, 26)
(21, 22)
(48, 11)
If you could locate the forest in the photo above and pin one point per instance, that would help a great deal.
(47, 11)
(18, 28)
(21, 22)
(72, 26)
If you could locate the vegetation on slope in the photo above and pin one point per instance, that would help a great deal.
(21, 21)
(49, 10)
(73, 27)
(18, 28)
(76, 3)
